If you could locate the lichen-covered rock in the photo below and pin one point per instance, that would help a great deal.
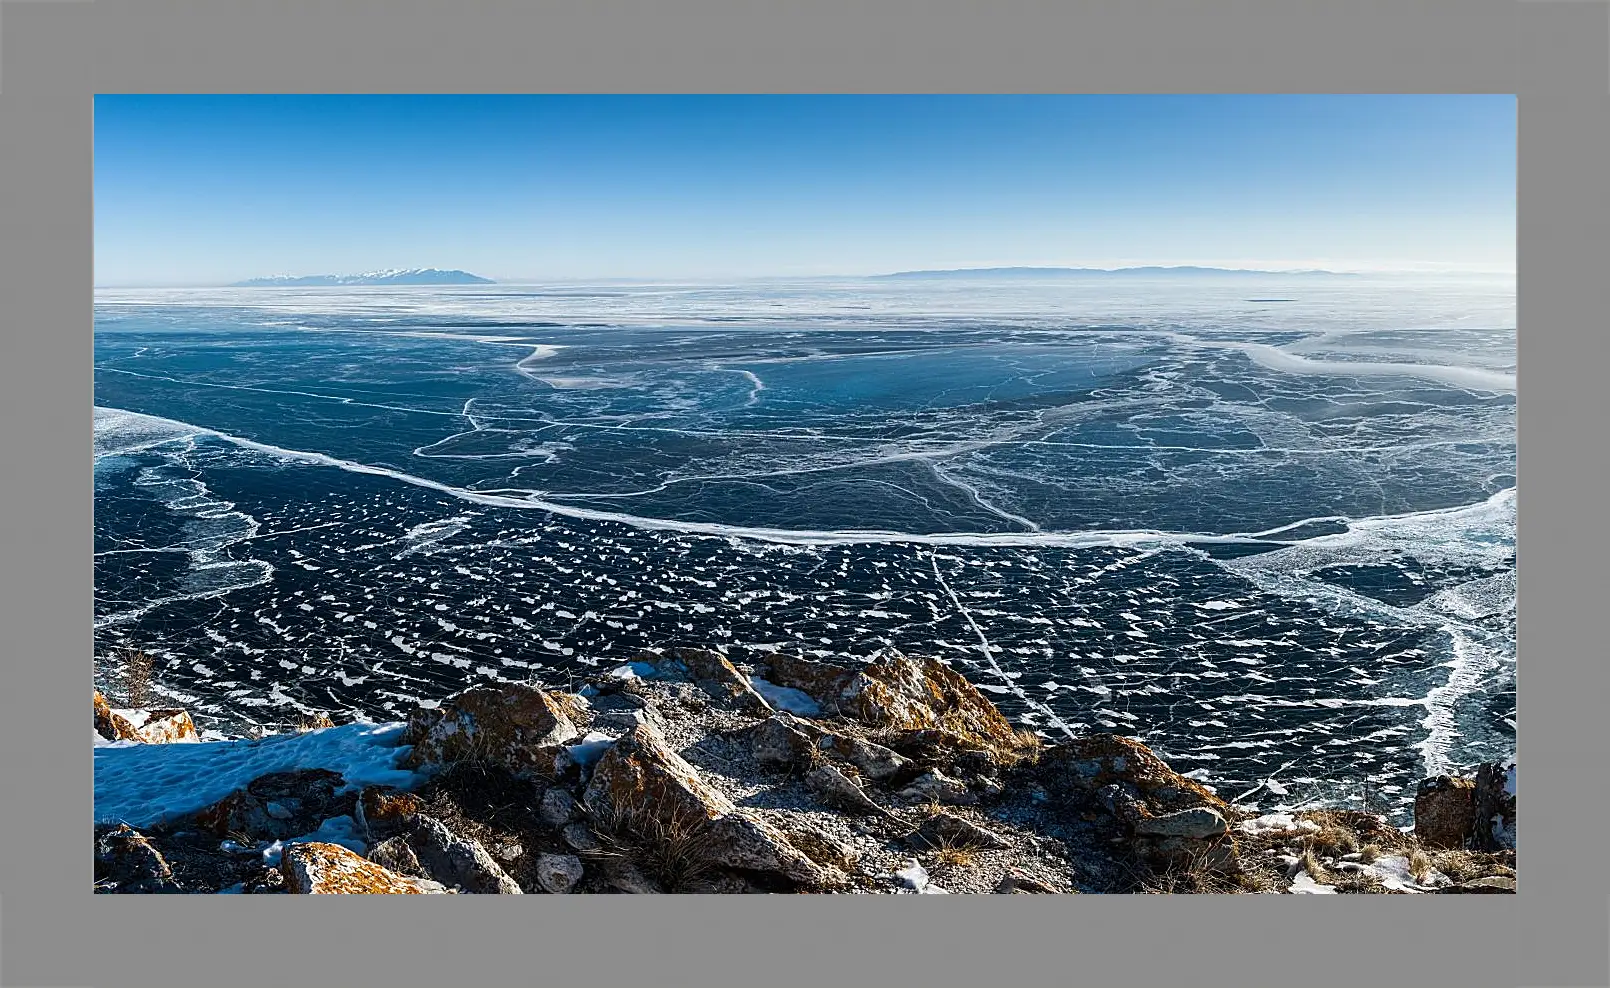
(1445, 812)
(330, 869)
(128, 860)
(512, 726)
(278, 805)
(907, 693)
(103, 719)
(456, 860)
(645, 787)
(716, 676)
(558, 873)
(1074, 771)
(821, 681)
(386, 809)
(148, 726)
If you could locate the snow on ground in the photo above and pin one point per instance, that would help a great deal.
(341, 830)
(1304, 884)
(590, 748)
(786, 698)
(1271, 823)
(1394, 874)
(146, 784)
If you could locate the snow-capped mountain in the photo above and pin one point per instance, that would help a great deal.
(391, 276)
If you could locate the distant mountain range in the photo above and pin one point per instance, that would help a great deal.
(394, 276)
(1185, 271)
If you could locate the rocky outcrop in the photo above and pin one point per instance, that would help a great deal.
(1445, 811)
(457, 861)
(165, 725)
(1173, 821)
(643, 786)
(901, 693)
(833, 788)
(711, 672)
(127, 860)
(1477, 812)
(510, 726)
(386, 810)
(278, 805)
(949, 830)
(103, 718)
(681, 784)
(330, 869)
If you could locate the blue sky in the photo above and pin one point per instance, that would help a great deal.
(204, 190)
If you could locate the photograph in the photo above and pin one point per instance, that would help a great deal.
(878, 494)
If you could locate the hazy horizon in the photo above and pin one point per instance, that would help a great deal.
(205, 191)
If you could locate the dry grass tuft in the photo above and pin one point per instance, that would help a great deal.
(1309, 861)
(1419, 865)
(674, 850)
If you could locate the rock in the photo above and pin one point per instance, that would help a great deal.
(908, 693)
(913, 875)
(103, 719)
(279, 805)
(820, 847)
(507, 851)
(641, 784)
(128, 859)
(779, 742)
(1198, 822)
(719, 678)
(267, 881)
(835, 789)
(935, 786)
(949, 830)
(164, 726)
(1075, 771)
(558, 873)
(1499, 884)
(623, 720)
(385, 810)
(558, 807)
(454, 859)
(1016, 882)
(1493, 815)
(623, 876)
(873, 760)
(395, 855)
(1445, 812)
(1218, 856)
(579, 837)
(511, 726)
(330, 869)
(821, 681)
